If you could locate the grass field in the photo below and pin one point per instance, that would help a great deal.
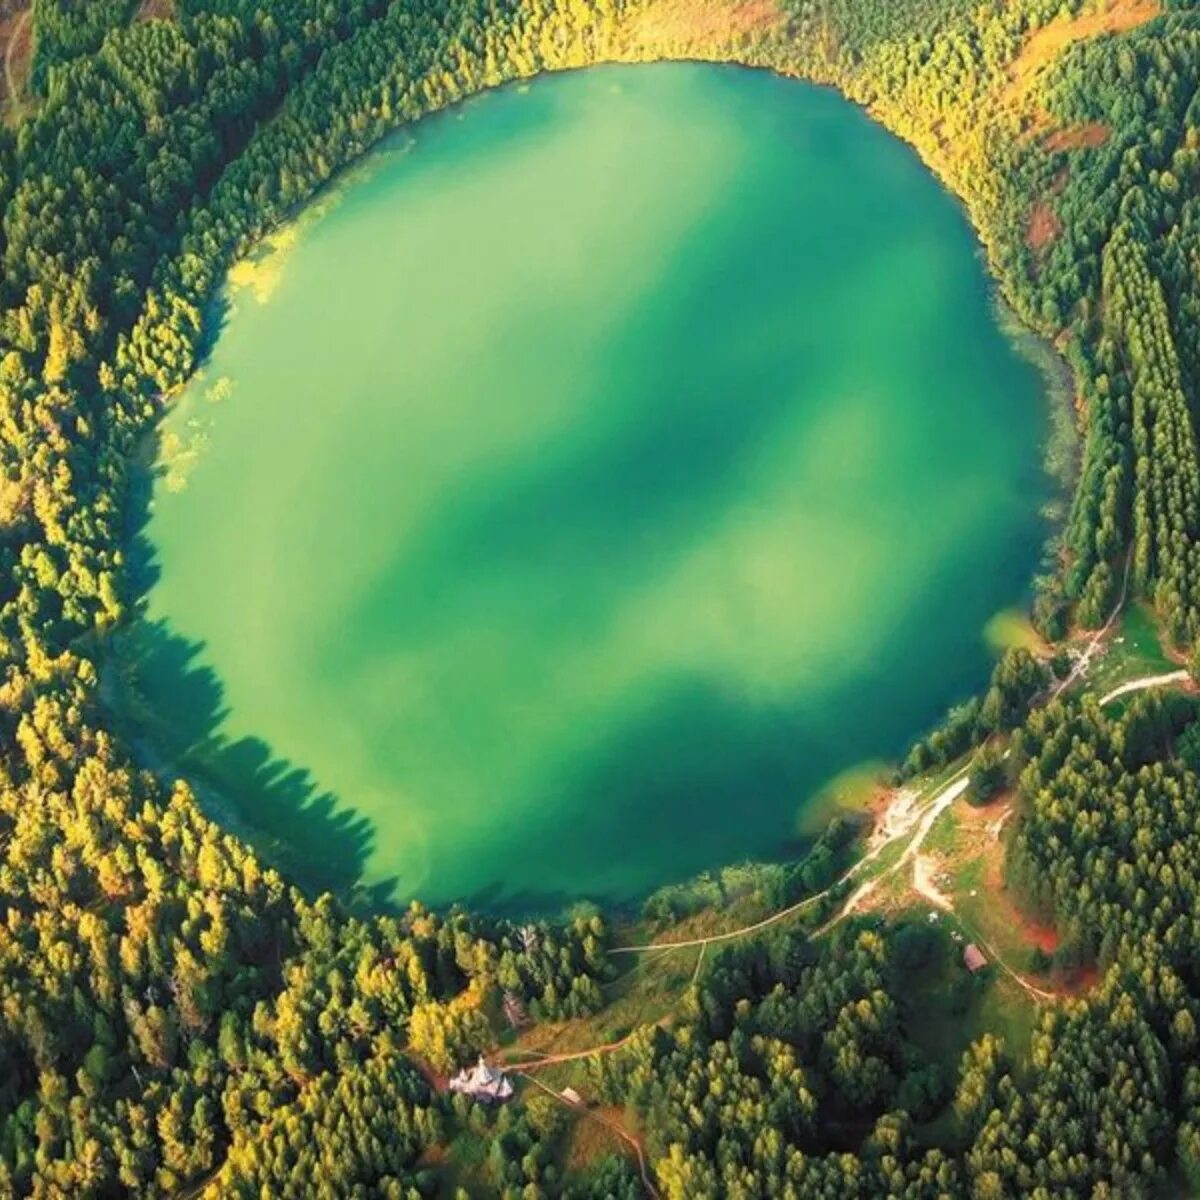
(1134, 649)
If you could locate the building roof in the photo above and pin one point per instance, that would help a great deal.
(482, 1082)
(973, 957)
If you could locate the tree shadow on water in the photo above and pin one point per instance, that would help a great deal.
(171, 706)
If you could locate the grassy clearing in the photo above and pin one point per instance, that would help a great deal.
(948, 1008)
(1134, 649)
(645, 994)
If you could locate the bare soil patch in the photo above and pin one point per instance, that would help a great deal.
(893, 813)
(1043, 226)
(156, 10)
(1024, 928)
(1081, 981)
(1006, 912)
(1085, 136)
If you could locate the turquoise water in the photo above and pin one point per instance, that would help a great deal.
(607, 465)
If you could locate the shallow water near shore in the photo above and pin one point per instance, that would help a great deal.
(609, 466)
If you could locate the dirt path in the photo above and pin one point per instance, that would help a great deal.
(1081, 663)
(1145, 682)
(928, 816)
(941, 802)
(628, 1138)
(897, 822)
(851, 906)
(994, 956)
(553, 1060)
(19, 31)
(729, 936)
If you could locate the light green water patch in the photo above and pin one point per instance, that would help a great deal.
(601, 475)
(850, 793)
(1011, 629)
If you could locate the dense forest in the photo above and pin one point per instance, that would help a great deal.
(179, 1019)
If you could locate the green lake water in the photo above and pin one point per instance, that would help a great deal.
(608, 464)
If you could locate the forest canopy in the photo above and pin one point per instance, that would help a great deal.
(178, 1018)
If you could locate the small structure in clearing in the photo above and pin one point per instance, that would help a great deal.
(973, 958)
(571, 1096)
(482, 1082)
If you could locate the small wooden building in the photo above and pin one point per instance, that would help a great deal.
(973, 958)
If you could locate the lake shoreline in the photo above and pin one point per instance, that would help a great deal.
(849, 443)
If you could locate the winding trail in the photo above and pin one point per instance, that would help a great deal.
(923, 816)
(1145, 682)
(621, 1132)
(553, 1060)
(732, 934)
(940, 803)
(19, 31)
(1036, 992)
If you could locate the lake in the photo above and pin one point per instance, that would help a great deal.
(599, 470)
